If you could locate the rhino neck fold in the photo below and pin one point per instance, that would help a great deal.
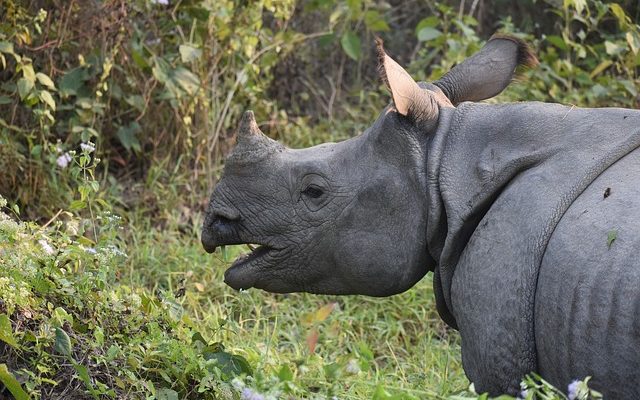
(469, 164)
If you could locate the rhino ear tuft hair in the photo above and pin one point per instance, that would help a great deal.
(381, 56)
(409, 99)
(251, 144)
(526, 56)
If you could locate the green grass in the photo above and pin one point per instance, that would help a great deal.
(142, 313)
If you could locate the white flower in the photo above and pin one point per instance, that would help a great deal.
(46, 247)
(88, 147)
(352, 367)
(248, 394)
(64, 160)
(572, 390)
(89, 250)
(163, 2)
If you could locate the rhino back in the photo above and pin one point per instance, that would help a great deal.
(587, 308)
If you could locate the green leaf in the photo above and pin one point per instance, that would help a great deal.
(77, 205)
(138, 58)
(601, 67)
(285, 373)
(48, 99)
(6, 47)
(431, 22)
(166, 394)
(72, 81)
(45, 80)
(579, 5)
(629, 86)
(60, 316)
(11, 383)
(98, 334)
(6, 332)
(620, 15)
(186, 79)
(95, 186)
(83, 373)
(354, 6)
(230, 364)
(350, 43)
(200, 13)
(633, 39)
(189, 54)
(5, 100)
(24, 87)
(331, 371)
(375, 22)
(128, 136)
(612, 48)
(557, 41)
(612, 235)
(62, 343)
(160, 70)
(136, 101)
(197, 337)
(36, 150)
(427, 33)
(28, 72)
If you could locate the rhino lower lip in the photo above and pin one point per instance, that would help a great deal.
(240, 275)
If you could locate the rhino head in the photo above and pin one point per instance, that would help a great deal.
(348, 217)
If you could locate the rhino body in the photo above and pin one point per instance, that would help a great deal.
(525, 269)
(528, 214)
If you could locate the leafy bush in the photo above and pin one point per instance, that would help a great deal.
(152, 84)
(69, 329)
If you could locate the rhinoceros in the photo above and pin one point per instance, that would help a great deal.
(527, 213)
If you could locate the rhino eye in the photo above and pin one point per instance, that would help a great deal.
(313, 191)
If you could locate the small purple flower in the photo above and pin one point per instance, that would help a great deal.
(64, 160)
(88, 147)
(89, 250)
(572, 390)
(249, 394)
(46, 247)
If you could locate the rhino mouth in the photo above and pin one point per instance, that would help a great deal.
(243, 272)
(247, 268)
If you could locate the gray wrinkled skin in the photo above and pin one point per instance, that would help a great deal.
(505, 203)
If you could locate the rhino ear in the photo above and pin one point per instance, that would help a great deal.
(488, 72)
(409, 99)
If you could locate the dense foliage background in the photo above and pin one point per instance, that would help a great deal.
(115, 116)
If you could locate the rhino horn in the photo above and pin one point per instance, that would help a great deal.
(248, 126)
(251, 143)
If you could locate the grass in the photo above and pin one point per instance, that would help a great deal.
(142, 312)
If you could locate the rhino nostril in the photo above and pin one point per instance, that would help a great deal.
(223, 214)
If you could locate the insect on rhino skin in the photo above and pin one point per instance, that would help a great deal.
(503, 202)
